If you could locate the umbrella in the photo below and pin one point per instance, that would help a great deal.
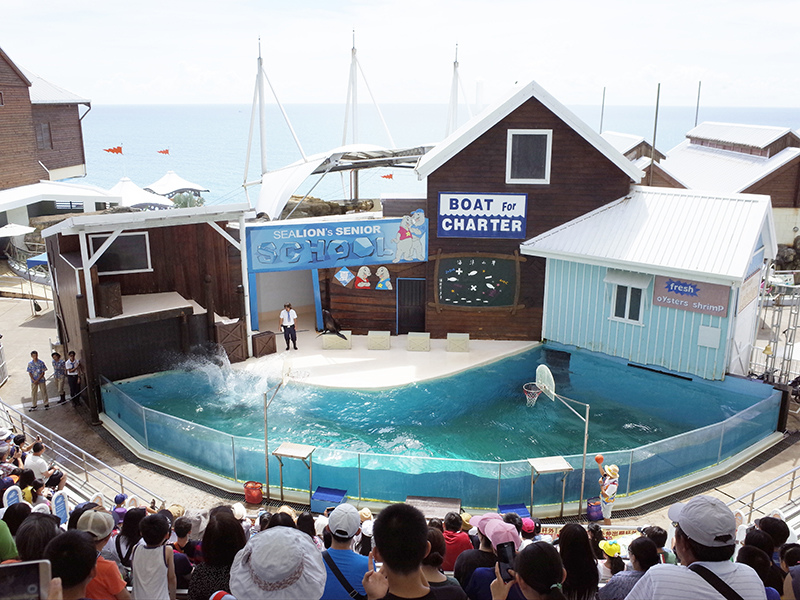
(133, 195)
(14, 229)
(172, 183)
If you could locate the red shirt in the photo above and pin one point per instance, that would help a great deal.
(457, 542)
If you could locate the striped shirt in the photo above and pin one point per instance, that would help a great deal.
(668, 582)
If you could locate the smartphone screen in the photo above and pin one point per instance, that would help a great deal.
(25, 581)
(505, 557)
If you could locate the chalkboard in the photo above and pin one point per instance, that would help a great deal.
(476, 281)
(129, 253)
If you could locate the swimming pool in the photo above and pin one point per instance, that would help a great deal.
(449, 436)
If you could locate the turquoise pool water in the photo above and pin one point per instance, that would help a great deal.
(479, 414)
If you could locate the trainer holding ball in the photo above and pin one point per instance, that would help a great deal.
(609, 483)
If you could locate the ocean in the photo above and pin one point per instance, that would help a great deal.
(208, 143)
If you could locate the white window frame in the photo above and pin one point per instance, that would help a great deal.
(626, 318)
(146, 236)
(628, 280)
(548, 157)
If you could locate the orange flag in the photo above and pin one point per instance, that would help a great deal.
(389, 176)
(114, 150)
(164, 151)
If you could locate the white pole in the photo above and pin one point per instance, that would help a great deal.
(262, 116)
(245, 284)
(87, 275)
(452, 110)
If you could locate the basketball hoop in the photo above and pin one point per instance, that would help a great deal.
(532, 393)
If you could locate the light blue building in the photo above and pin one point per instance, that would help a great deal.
(662, 277)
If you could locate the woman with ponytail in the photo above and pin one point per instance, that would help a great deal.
(539, 574)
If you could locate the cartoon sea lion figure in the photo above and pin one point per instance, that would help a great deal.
(362, 281)
(404, 240)
(384, 280)
(417, 234)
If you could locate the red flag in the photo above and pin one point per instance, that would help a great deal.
(389, 176)
(164, 151)
(114, 150)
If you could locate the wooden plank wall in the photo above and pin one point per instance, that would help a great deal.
(581, 180)
(66, 133)
(783, 186)
(66, 303)
(18, 154)
(181, 257)
(364, 310)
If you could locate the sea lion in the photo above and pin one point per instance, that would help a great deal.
(330, 325)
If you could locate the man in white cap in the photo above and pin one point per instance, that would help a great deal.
(705, 539)
(344, 523)
(107, 584)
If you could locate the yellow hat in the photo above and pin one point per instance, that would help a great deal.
(611, 548)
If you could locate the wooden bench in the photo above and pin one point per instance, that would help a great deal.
(458, 342)
(379, 340)
(331, 341)
(418, 341)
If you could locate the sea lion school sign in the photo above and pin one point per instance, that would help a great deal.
(283, 246)
(482, 215)
(692, 296)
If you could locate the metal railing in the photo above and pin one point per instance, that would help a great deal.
(85, 472)
(767, 494)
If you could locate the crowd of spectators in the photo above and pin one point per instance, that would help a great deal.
(140, 552)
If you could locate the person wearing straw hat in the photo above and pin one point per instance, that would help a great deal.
(280, 563)
(609, 483)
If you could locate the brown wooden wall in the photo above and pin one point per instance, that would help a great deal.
(364, 310)
(181, 257)
(783, 186)
(581, 180)
(66, 134)
(660, 179)
(18, 154)
(66, 303)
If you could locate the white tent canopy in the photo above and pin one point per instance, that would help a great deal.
(13, 230)
(133, 195)
(172, 183)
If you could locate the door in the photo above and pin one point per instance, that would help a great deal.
(410, 305)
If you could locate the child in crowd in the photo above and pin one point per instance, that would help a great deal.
(612, 561)
(119, 510)
(182, 528)
(153, 565)
(539, 574)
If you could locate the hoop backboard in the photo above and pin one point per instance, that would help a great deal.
(544, 379)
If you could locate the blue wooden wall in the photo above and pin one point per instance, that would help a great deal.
(578, 307)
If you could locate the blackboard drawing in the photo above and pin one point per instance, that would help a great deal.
(384, 280)
(362, 278)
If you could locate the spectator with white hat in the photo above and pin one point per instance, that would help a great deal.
(345, 569)
(280, 563)
(107, 584)
(705, 540)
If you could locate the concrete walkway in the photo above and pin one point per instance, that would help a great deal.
(23, 333)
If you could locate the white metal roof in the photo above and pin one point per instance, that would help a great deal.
(757, 136)
(148, 219)
(666, 231)
(53, 191)
(474, 128)
(623, 142)
(44, 92)
(702, 167)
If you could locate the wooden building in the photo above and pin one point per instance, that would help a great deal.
(40, 129)
(662, 277)
(136, 290)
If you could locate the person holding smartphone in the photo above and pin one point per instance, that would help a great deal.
(505, 541)
(48, 473)
(538, 575)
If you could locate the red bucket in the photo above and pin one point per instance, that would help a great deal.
(253, 493)
(593, 509)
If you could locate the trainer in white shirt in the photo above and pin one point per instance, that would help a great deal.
(705, 535)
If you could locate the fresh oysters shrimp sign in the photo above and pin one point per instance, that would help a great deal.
(285, 246)
(482, 215)
(693, 296)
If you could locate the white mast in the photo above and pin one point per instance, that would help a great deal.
(452, 111)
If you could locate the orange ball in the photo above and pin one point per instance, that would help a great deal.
(598, 458)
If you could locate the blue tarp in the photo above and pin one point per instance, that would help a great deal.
(38, 260)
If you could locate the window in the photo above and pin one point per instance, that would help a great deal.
(628, 303)
(44, 141)
(128, 253)
(628, 294)
(528, 154)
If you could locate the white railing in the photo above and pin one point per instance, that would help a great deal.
(86, 472)
(774, 493)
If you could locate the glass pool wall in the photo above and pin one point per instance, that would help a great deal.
(479, 484)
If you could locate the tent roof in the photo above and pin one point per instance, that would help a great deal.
(14, 229)
(172, 183)
(479, 125)
(133, 195)
(668, 232)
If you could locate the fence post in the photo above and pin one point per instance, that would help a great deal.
(359, 478)
(85, 470)
(721, 438)
(144, 424)
(499, 477)
(121, 485)
(791, 489)
(233, 456)
(630, 472)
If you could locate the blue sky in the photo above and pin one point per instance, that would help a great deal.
(178, 52)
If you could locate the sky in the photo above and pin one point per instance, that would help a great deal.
(203, 52)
